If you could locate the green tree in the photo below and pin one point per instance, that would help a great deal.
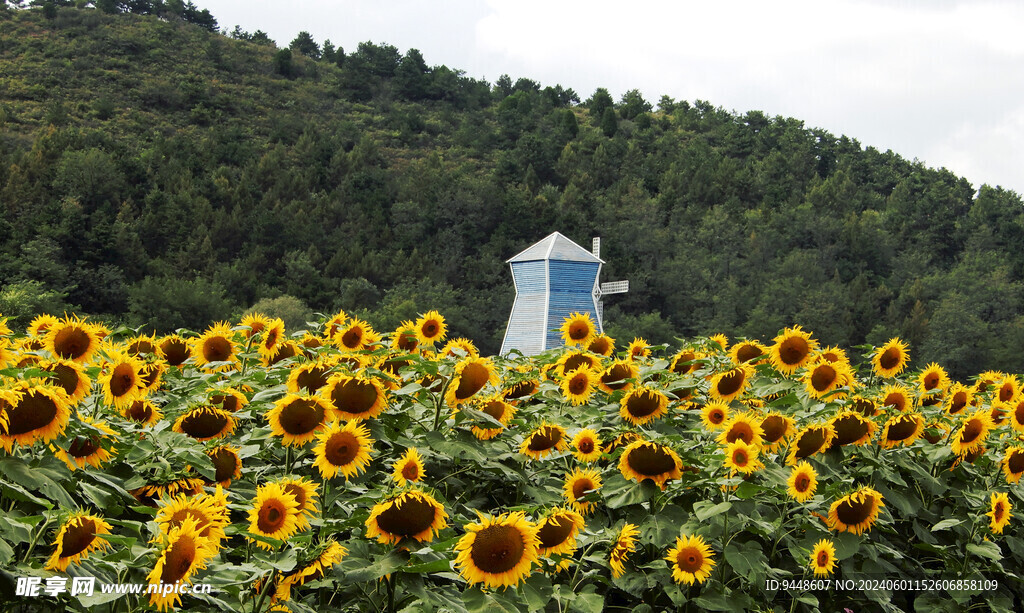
(609, 122)
(598, 103)
(304, 44)
(633, 104)
(165, 304)
(283, 63)
(21, 301)
(292, 311)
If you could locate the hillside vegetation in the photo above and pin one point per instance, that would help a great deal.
(154, 171)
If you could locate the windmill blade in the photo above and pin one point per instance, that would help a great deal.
(595, 246)
(614, 287)
(600, 310)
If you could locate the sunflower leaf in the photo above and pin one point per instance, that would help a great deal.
(946, 524)
(703, 510)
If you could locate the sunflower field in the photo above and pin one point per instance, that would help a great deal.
(337, 468)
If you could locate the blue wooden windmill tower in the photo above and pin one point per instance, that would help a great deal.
(554, 278)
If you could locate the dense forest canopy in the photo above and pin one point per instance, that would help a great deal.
(158, 172)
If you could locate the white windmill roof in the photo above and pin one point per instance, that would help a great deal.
(555, 246)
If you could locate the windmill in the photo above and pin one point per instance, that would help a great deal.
(554, 278)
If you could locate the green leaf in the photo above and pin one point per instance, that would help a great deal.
(634, 494)
(704, 510)
(988, 549)
(946, 524)
(436, 566)
(6, 552)
(394, 560)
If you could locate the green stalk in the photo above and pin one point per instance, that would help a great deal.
(32, 545)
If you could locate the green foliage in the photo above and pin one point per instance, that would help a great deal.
(292, 311)
(21, 301)
(166, 304)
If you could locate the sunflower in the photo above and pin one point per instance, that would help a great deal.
(1000, 512)
(152, 376)
(32, 410)
(578, 329)
(413, 514)
(810, 440)
(714, 415)
(747, 352)
(71, 376)
(1009, 388)
(823, 558)
(175, 349)
(88, 448)
(150, 493)
(498, 551)
(41, 324)
(891, 358)
(226, 464)
(864, 406)
(1016, 410)
(498, 409)
(852, 428)
(834, 355)
(824, 377)
(459, 348)
(933, 378)
(227, 398)
(121, 380)
(802, 482)
(690, 560)
(577, 485)
(625, 544)
(743, 427)
(334, 325)
(543, 440)
(729, 384)
(792, 349)
(215, 346)
(143, 412)
(80, 535)
(305, 495)
(325, 556)
(209, 511)
(297, 419)
(274, 514)
(856, 512)
(645, 460)
(470, 376)
(972, 433)
(602, 345)
(1013, 464)
(271, 338)
(344, 449)
(618, 376)
(72, 339)
(578, 385)
(520, 389)
(643, 404)
(430, 328)
(622, 440)
(254, 323)
(352, 335)
(205, 423)
(719, 342)
(639, 348)
(902, 429)
(587, 446)
(355, 397)
(777, 429)
(685, 362)
(558, 532)
(897, 397)
(741, 457)
(958, 398)
(408, 468)
(182, 553)
(404, 337)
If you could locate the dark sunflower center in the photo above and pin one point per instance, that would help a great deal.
(902, 428)
(407, 341)
(353, 338)
(716, 416)
(545, 438)
(472, 379)
(301, 416)
(586, 446)
(823, 378)
(299, 493)
(1018, 414)
(410, 471)
(67, 378)
(224, 463)
(497, 549)
(931, 381)
(740, 430)
(972, 431)
(802, 483)
(864, 406)
(600, 345)
(851, 512)
(890, 358)
(616, 377)
(272, 516)
(555, 531)
(407, 517)
(689, 560)
(650, 460)
(32, 412)
(430, 329)
(794, 350)
(581, 487)
(747, 352)
(203, 423)
(998, 511)
(84, 446)
(271, 339)
(823, 559)
(71, 343)
(342, 449)
(175, 351)
(518, 390)
(682, 365)
(216, 349)
(1006, 392)
(731, 382)
(179, 560)
(896, 400)
(226, 402)
(77, 538)
(1016, 462)
(774, 427)
(495, 409)
(579, 331)
(576, 360)
(122, 380)
(140, 412)
(810, 442)
(849, 429)
(739, 458)
(354, 396)
(642, 404)
(578, 384)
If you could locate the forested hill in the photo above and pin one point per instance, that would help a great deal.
(154, 171)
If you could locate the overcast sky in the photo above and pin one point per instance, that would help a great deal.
(937, 80)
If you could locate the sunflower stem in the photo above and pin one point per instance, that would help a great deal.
(263, 593)
(440, 403)
(288, 459)
(390, 582)
(32, 544)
